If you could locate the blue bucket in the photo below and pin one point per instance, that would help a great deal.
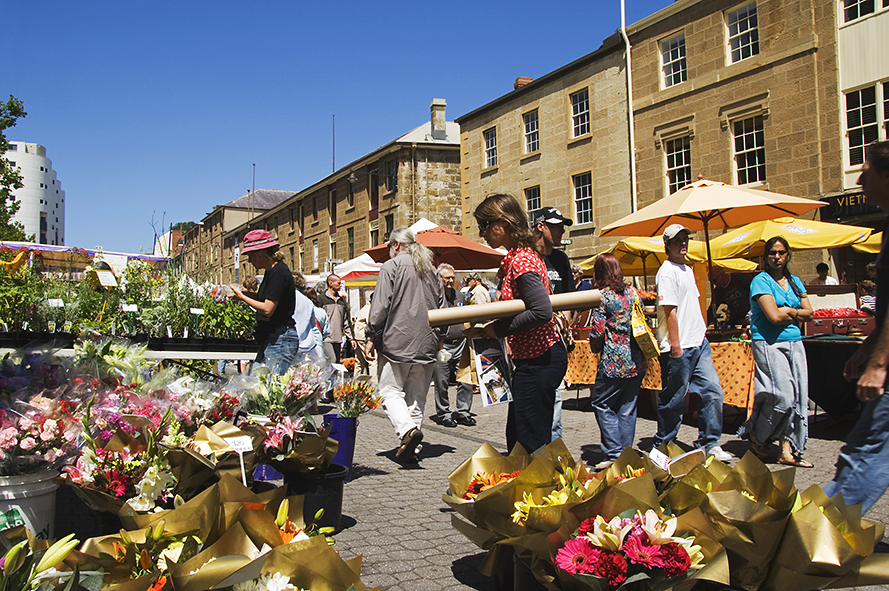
(343, 429)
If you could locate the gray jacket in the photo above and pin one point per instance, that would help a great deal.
(397, 321)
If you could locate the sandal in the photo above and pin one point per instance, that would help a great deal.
(406, 452)
(796, 462)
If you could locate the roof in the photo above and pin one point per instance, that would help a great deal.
(423, 134)
(261, 199)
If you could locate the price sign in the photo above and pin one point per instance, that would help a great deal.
(55, 303)
(106, 278)
(197, 311)
(659, 459)
(241, 445)
(130, 307)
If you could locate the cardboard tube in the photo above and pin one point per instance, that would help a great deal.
(577, 300)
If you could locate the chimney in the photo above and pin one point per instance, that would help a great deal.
(439, 129)
(521, 81)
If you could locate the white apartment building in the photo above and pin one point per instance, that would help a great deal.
(42, 199)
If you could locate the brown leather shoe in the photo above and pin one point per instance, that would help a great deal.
(406, 452)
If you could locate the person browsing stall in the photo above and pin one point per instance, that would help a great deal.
(274, 303)
(445, 373)
(862, 474)
(778, 303)
(686, 360)
(539, 357)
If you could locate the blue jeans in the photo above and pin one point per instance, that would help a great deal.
(557, 413)
(863, 466)
(614, 402)
(279, 349)
(534, 382)
(693, 371)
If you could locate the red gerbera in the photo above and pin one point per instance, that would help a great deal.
(612, 567)
(578, 556)
(638, 551)
(676, 561)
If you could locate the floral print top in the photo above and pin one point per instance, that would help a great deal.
(613, 320)
(537, 341)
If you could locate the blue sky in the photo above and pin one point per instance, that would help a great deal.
(160, 109)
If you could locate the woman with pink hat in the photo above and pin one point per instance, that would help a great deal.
(274, 332)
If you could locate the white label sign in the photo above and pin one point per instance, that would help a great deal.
(197, 311)
(130, 307)
(241, 444)
(106, 278)
(55, 303)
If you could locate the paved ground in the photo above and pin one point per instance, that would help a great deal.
(394, 516)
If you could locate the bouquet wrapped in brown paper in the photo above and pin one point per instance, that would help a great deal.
(827, 545)
(210, 443)
(747, 506)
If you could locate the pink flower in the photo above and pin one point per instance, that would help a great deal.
(28, 443)
(638, 551)
(48, 432)
(577, 556)
(8, 437)
(587, 526)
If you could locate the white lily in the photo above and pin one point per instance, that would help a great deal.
(659, 531)
(609, 534)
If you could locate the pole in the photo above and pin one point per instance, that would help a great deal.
(630, 119)
(333, 143)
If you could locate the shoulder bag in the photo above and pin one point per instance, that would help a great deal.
(642, 333)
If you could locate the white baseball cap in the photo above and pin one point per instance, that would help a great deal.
(674, 230)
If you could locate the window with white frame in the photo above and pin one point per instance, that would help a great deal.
(583, 197)
(853, 9)
(532, 139)
(863, 124)
(743, 32)
(580, 113)
(491, 147)
(673, 58)
(532, 200)
(750, 151)
(314, 254)
(678, 152)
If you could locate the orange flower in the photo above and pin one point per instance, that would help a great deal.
(483, 481)
(159, 584)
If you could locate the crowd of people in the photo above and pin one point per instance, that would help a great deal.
(392, 333)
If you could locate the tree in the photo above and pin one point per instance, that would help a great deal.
(10, 179)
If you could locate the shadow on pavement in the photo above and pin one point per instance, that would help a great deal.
(465, 570)
(358, 471)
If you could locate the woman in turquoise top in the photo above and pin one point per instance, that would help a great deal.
(778, 303)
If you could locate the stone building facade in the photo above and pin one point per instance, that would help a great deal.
(414, 176)
(561, 141)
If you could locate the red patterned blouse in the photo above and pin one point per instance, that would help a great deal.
(537, 341)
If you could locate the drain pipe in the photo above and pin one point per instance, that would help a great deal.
(623, 32)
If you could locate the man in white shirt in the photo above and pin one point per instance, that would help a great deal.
(823, 278)
(478, 293)
(686, 360)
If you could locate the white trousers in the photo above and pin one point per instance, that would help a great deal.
(404, 387)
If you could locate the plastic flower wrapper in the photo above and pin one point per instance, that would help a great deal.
(210, 442)
(232, 551)
(38, 436)
(30, 370)
(748, 507)
(308, 564)
(124, 470)
(107, 358)
(355, 398)
(287, 395)
(827, 545)
(282, 524)
(234, 496)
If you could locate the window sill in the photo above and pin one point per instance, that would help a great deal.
(580, 140)
(350, 209)
(530, 158)
(490, 171)
(587, 227)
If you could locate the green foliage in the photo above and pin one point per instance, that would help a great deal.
(231, 319)
(10, 178)
(20, 293)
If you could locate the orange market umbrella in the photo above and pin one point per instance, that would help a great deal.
(750, 240)
(704, 204)
(871, 245)
(449, 247)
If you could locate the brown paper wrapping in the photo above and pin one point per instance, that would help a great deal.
(577, 300)
(314, 452)
(231, 551)
(199, 514)
(210, 443)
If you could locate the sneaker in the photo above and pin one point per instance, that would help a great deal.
(720, 454)
(602, 465)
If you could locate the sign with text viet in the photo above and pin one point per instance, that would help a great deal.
(847, 205)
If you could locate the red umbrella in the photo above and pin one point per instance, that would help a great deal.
(449, 247)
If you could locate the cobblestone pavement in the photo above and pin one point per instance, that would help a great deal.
(395, 518)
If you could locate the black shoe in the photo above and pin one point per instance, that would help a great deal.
(466, 420)
(406, 452)
(447, 422)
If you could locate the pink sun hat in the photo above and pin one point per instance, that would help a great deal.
(258, 240)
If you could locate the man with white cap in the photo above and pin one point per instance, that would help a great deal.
(686, 360)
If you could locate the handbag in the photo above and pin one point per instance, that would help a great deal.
(642, 333)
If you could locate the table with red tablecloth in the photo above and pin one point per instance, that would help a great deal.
(733, 361)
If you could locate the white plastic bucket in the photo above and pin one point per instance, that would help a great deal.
(29, 500)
